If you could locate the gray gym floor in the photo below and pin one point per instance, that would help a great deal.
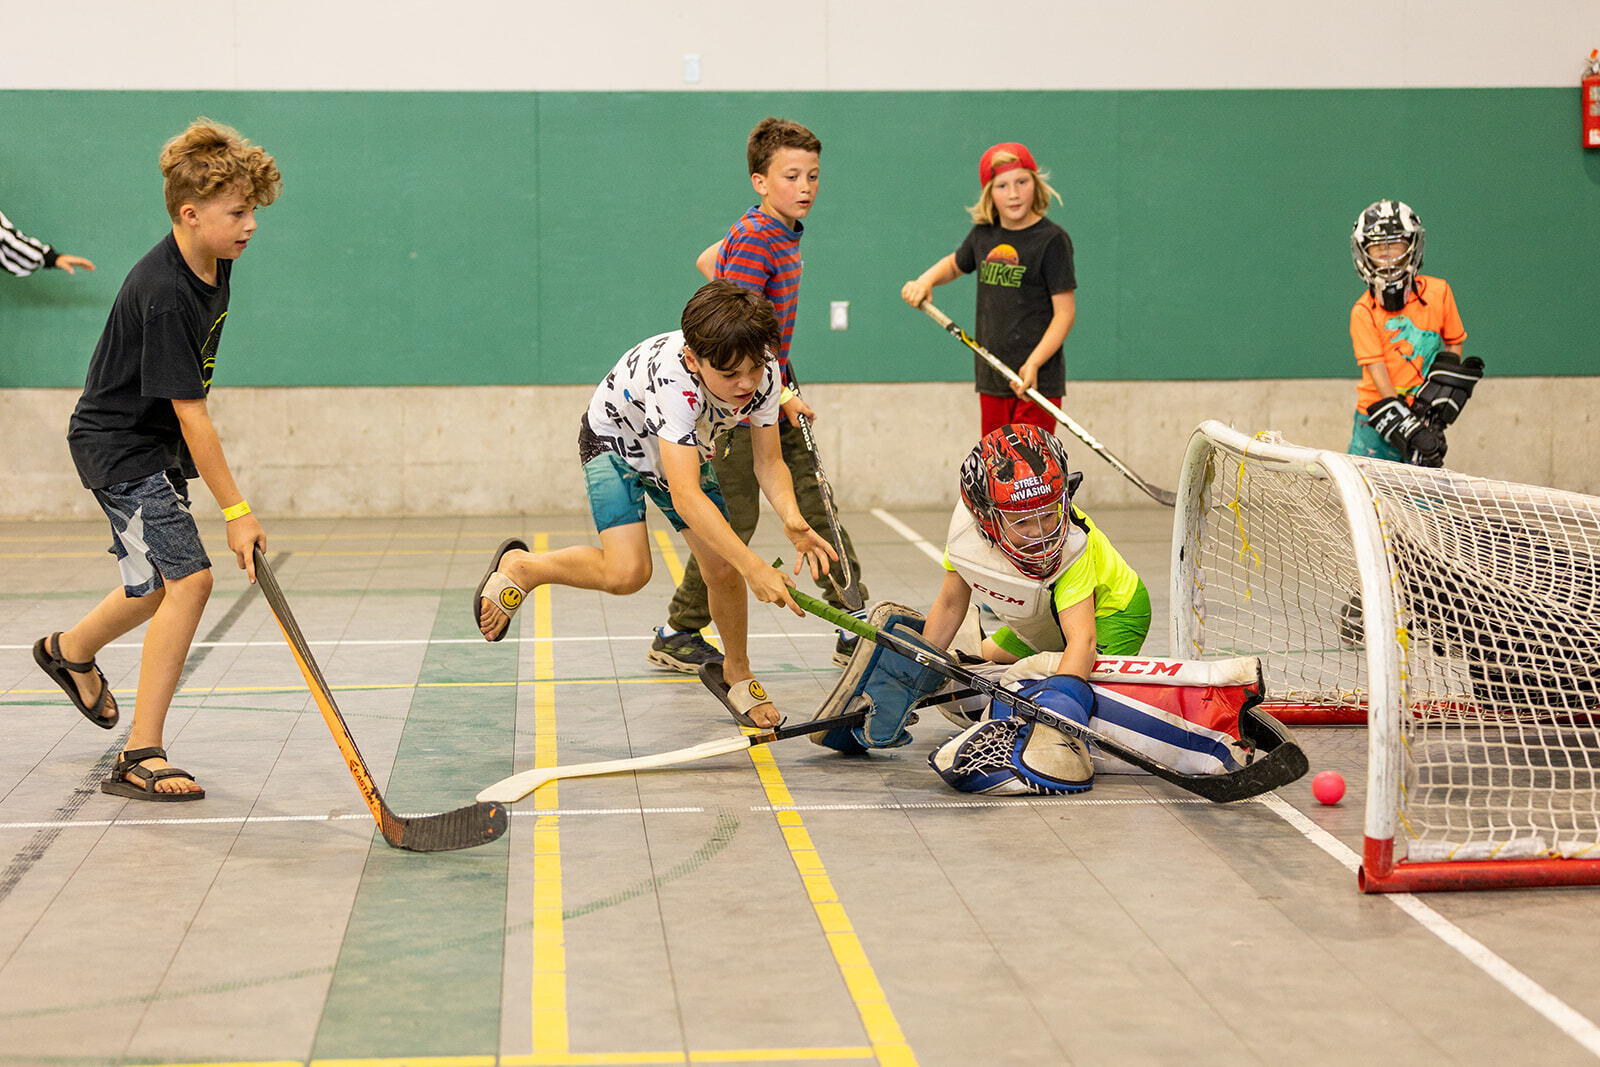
(786, 905)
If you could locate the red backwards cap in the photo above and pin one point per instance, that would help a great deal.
(987, 169)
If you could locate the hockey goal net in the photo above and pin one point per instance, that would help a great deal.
(1458, 617)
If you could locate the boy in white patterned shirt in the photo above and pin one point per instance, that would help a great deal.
(648, 432)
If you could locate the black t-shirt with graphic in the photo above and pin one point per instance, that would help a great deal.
(159, 345)
(1018, 272)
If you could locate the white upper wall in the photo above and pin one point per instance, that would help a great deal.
(824, 45)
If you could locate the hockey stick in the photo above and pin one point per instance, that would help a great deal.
(850, 590)
(510, 790)
(1161, 496)
(1282, 762)
(475, 824)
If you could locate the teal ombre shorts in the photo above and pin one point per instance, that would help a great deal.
(617, 492)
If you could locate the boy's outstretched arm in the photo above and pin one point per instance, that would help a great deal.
(1077, 626)
(776, 485)
(681, 465)
(948, 610)
(244, 532)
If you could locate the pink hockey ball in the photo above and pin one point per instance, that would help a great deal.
(1328, 787)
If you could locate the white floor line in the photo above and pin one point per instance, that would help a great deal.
(886, 806)
(238, 820)
(909, 534)
(1564, 1018)
(829, 636)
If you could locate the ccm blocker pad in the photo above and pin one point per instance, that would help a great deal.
(883, 684)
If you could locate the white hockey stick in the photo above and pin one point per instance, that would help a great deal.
(510, 790)
(1163, 496)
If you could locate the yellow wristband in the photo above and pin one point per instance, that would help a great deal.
(786, 395)
(239, 510)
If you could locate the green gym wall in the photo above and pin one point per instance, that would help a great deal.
(446, 238)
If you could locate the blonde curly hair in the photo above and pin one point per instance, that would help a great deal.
(209, 159)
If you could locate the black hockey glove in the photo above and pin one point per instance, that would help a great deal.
(1418, 442)
(1447, 388)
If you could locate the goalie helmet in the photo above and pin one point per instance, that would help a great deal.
(1018, 488)
(1388, 272)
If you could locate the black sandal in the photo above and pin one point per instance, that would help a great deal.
(127, 768)
(47, 654)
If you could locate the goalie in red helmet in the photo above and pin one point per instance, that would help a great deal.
(1019, 544)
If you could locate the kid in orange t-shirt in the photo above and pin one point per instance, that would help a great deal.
(1405, 329)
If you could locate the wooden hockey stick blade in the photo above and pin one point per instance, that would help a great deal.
(512, 789)
(841, 575)
(1161, 496)
(1282, 763)
(475, 824)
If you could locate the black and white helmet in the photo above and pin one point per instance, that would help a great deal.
(1389, 277)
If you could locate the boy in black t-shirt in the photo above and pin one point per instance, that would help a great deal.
(141, 430)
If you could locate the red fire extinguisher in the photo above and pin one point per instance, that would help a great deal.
(1591, 101)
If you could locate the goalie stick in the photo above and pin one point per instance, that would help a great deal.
(849, 590)
(1281, 761)
(1156, 493)
(475, 824)
(512, 789)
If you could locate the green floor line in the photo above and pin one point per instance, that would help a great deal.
(386, 998)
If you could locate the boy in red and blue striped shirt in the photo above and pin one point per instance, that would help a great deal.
(761, 251)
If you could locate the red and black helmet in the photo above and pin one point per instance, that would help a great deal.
(1018, 488)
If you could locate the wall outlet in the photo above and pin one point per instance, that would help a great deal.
(691, 68)
(839, 315)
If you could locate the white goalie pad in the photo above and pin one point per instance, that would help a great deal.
(1181, 713)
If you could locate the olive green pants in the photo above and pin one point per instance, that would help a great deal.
(736, 474)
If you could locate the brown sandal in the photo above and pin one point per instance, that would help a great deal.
(47, 654)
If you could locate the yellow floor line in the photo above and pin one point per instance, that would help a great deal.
(551, 1033)
(883, 1031)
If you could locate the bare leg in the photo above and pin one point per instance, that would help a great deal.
(166, 646)
(108, 620)
(730, 611)
(621, 565)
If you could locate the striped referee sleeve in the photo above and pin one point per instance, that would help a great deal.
(21, 254)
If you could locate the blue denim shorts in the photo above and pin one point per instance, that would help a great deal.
(153, 535)
(617, 492)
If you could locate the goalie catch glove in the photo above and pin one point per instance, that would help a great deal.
(1447, 388)
(1417, 441)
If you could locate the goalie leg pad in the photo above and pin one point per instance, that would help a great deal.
(1013, 757)
(1189, 726)
(883, 683)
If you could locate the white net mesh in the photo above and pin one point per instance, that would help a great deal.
(1277, 575)
(1496, 635)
